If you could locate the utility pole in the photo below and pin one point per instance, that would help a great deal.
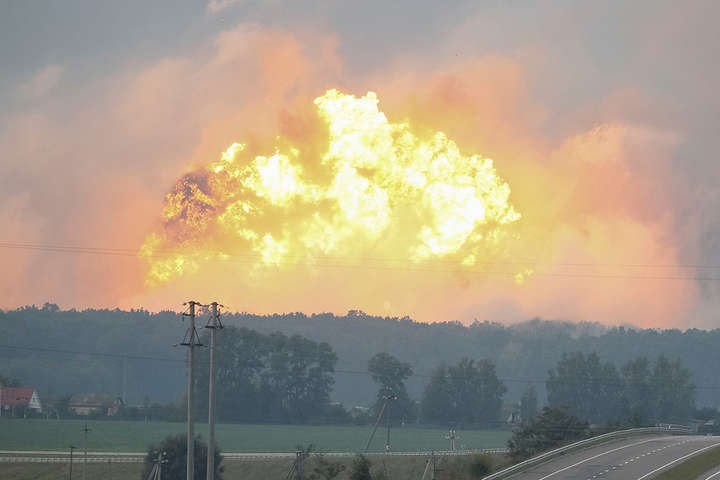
(452, 436)
(299, 465)
(214, 323)
(85, 432)
(161, 459)
(387, 419)
(72, 447)
(124, 385)
(386, 406)
(431, 462)
(156, 472)
(377, 422)
(191, 341)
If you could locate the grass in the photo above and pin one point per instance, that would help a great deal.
(693, 467)
(397, 468)
(126, 436)
(60, 471)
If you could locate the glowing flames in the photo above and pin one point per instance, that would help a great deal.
(378, 189)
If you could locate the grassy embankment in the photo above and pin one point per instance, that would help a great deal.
(123, 436)
(397, 468)
(694, 467)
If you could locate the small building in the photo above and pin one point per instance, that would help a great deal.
(87, 404)
(19, 401)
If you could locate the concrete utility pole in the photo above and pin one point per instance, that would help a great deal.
(160, 461)
(124, 379)
(434, 465)
(452, 436)
(156, 472)
(72, 447)
(85, 432)
(299, 465)
(389, 396)
(387, 441)
(431, 462)
(214, 323)
(191, 341)
(377, 422)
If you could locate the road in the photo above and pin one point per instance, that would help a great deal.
(637, 458)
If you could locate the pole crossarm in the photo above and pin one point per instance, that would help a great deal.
(191, 341)
(213, 325)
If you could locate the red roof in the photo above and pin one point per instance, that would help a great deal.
(16, 397)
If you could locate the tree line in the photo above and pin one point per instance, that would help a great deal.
(640, 392)
(289, 379)
(273, 372)
(81, 351)
(269, 377)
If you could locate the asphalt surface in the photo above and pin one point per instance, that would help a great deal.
(637, 458)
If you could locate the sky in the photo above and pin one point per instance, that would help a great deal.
(602, 118)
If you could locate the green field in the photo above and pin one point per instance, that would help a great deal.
(125, 436)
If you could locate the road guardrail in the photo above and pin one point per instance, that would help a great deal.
(127, 457)
(544, 457)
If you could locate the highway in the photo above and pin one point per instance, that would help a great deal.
(636, 458)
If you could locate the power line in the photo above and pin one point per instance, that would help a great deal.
(162, 252)
(96, 354)
(252, 258)
(346, 371)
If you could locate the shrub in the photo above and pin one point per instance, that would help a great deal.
(479, 466)
(360, 468)
(174, 467)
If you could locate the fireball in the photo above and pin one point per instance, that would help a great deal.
(378, 193)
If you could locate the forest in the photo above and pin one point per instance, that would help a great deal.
(323, 359)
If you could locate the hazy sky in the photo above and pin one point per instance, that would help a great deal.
(603, 117)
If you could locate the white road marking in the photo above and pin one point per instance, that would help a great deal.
(596, 456)
(677, 460)
(713, 475)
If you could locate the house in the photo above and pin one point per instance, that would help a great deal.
(19, 401)
(94, 404)
(358, 412)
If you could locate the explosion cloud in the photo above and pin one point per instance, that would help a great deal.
(376, 190)
(602, 207)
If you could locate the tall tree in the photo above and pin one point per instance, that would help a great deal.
(390, 373)
(552, 428)
(584, 385)
(468, 392)
(638, 398)
(436, 397)
(528, 404)
(673, 390)
(270, 377)
(306, 378)
(8, 382)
